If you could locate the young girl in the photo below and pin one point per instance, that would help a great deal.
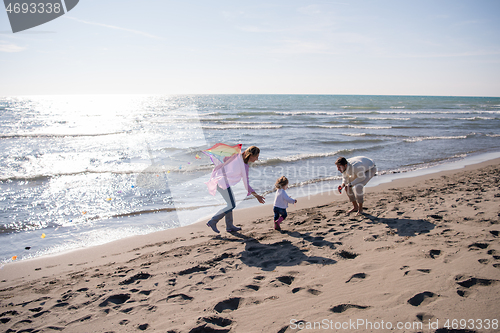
(281, 201)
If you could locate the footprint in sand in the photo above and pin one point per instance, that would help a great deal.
(287, 279)
(434, 254)
(227, 305)
(179, 298)
(492, 252)
(466, 283)
(436, 217)
(219, 321)
(357, 277)
(419, 271)
(284, 280)
(195, 269)
(344, 307)
(423, 298)
(124, 322)
(347, 255)
(212, 324)
(143, 327)
(117, 299)
(495, 257)
(135, 278)
(212, 263)
(424, 317)
(7, 313)
(252, 287)
(313, 290)
(478, 246)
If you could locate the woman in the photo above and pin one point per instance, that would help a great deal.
(228, 176)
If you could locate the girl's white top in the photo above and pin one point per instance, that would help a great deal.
(282, 199)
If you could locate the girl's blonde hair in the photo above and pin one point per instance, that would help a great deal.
(249, 152)
(281, 182)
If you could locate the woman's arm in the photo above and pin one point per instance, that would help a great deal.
(260, 198)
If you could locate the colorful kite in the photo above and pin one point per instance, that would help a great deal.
(220, 151)
(229, 167)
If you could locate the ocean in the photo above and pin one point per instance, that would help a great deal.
(78, 171)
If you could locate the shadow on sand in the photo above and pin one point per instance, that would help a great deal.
(404, 227)
(282, 253)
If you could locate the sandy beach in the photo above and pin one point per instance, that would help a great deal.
(424, 258)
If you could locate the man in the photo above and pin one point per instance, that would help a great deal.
(356, 172)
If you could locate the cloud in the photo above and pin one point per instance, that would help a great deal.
(137, 32)
(10, 48)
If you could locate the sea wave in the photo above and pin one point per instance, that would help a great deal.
(236, 122)
(240, 126)
(365, 110)
(478, 118)
(439, 111)
(155, 169)
(253, 113)
(354, 134)
(389, 119)
(349, 126)
(48, 176)
(309, 113)
(299, 157)
(55, 135)
(373, 135)
(422, 138)
(358, 107)
(422, 165)
(339, 142)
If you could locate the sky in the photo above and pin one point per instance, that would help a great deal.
(434, 48)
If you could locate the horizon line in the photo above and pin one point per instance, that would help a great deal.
(235, 94)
